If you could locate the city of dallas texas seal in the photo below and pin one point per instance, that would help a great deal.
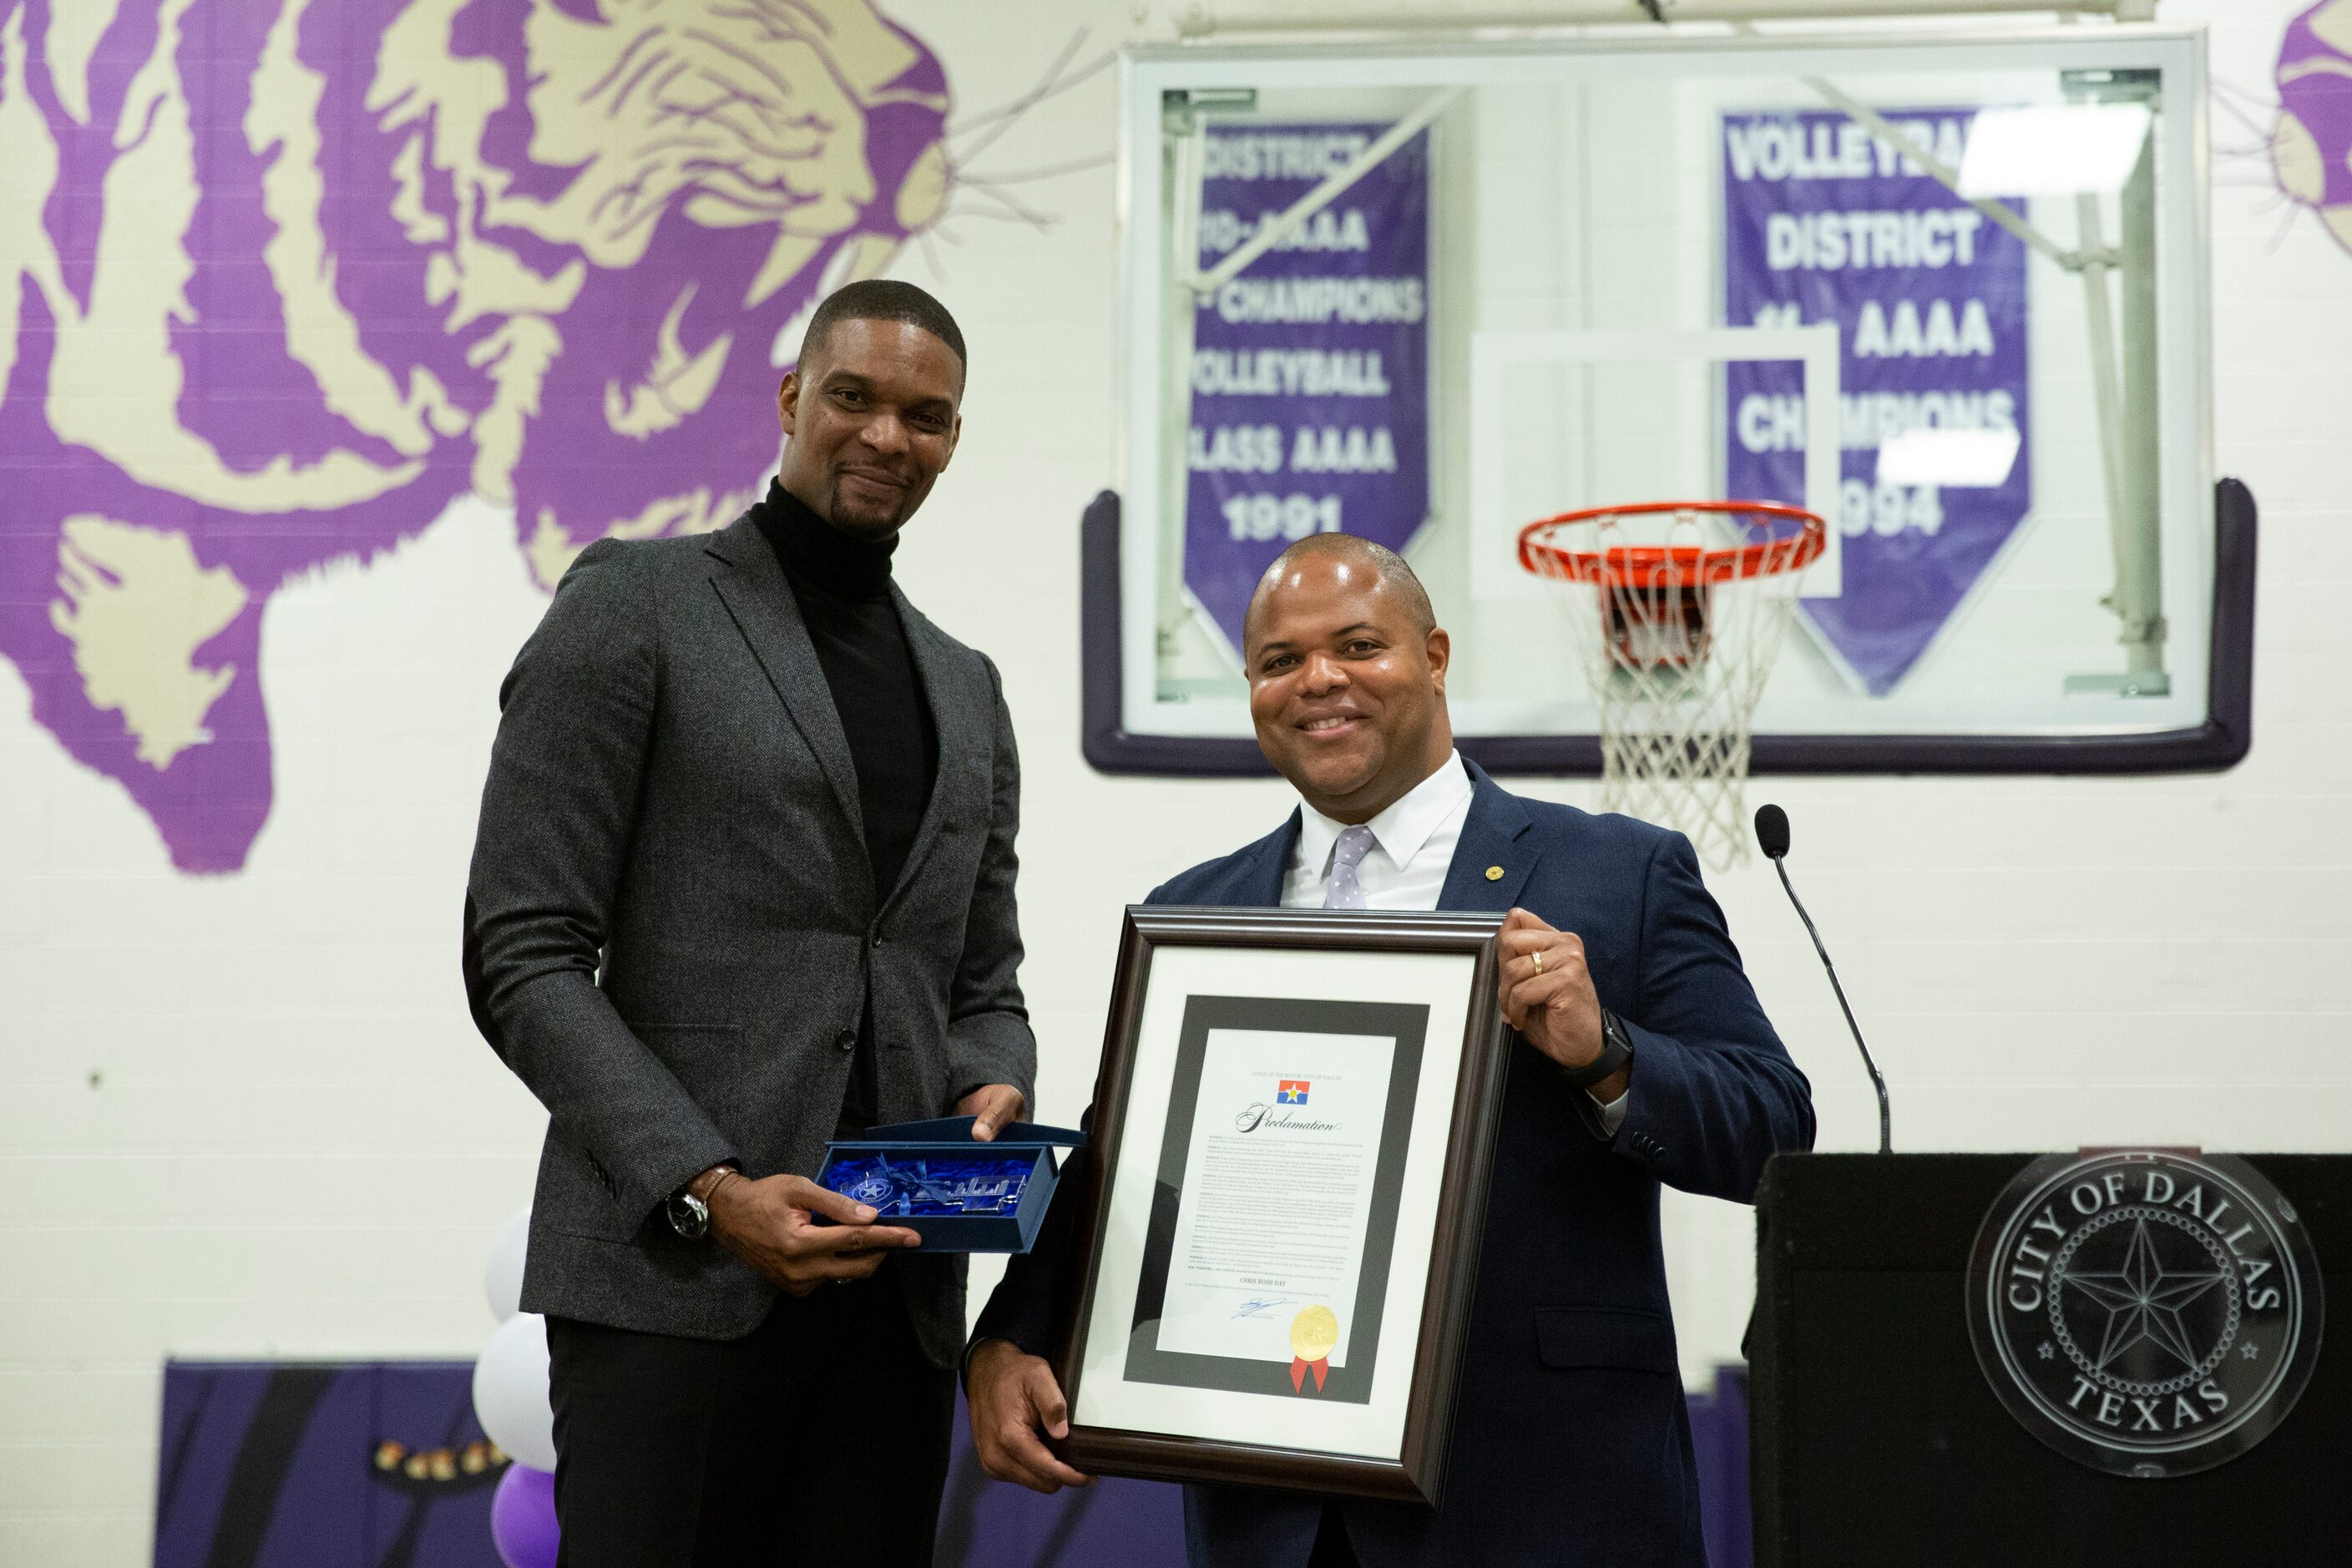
(2146, 1312)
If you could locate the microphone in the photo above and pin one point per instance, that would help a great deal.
(1772, 837)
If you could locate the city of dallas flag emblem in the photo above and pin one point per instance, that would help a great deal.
(1291, 1091)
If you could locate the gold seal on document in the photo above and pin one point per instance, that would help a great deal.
(1314, 1333)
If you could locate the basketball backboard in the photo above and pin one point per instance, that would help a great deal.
(1947, 290)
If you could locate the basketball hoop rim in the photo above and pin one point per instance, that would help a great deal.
(1675, 566)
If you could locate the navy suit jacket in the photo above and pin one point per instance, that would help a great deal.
(1571, 1444)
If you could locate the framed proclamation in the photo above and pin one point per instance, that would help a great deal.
(1293, 1128)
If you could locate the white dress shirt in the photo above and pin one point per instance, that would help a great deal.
(1413, 844)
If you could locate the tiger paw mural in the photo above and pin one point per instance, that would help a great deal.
(279, 279)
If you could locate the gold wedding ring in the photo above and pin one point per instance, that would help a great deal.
(1538, 956)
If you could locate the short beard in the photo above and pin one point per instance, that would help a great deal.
(871, 528)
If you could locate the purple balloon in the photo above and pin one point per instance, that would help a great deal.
(522, 1518)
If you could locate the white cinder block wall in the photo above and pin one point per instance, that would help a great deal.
(246, 1116)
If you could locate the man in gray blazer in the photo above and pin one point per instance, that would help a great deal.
(743, 883)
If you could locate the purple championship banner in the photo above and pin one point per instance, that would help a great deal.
(1822, 222)
(1310, 369)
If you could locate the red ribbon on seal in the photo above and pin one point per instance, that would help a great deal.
(1314, 1334)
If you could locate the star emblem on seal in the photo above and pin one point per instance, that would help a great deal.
(2143, 1301)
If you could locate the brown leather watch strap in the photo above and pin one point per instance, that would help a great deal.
(706, 1186)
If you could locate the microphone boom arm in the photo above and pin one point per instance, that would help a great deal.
(1885, 1119)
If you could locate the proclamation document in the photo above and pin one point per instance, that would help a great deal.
(1267, 1258)
(1278, 1191)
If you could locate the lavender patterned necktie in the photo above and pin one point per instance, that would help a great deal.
(1344, 892)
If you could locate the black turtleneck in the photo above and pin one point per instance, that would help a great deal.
(844, 588)
(842, 585)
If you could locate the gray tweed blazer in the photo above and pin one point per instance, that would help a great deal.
(671, 931)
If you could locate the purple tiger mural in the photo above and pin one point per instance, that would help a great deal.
(279, 279)
(2311, 147)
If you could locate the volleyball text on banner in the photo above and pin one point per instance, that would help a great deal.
(1823, 222)
(1310, 369)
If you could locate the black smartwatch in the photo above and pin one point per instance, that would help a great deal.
(1616, 1050)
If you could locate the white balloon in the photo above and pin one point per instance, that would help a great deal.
(502, 1276)
(510, 1391)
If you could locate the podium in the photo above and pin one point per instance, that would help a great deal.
(1877, 1440)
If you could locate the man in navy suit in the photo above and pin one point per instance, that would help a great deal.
(1638, 1055)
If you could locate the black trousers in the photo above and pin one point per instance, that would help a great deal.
(1332, 1549)
(819, 1438)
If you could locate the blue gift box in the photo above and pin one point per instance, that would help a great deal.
(960, 1195)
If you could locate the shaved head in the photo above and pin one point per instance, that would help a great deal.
(1386, 567)
(1347, 673)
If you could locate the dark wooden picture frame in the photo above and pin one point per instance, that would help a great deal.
(1417, 1475)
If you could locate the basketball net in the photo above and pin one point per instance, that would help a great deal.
(1679, 608)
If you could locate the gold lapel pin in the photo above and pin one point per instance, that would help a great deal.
(1494, 873)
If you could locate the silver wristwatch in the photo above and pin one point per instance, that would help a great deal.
(689, 1216)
